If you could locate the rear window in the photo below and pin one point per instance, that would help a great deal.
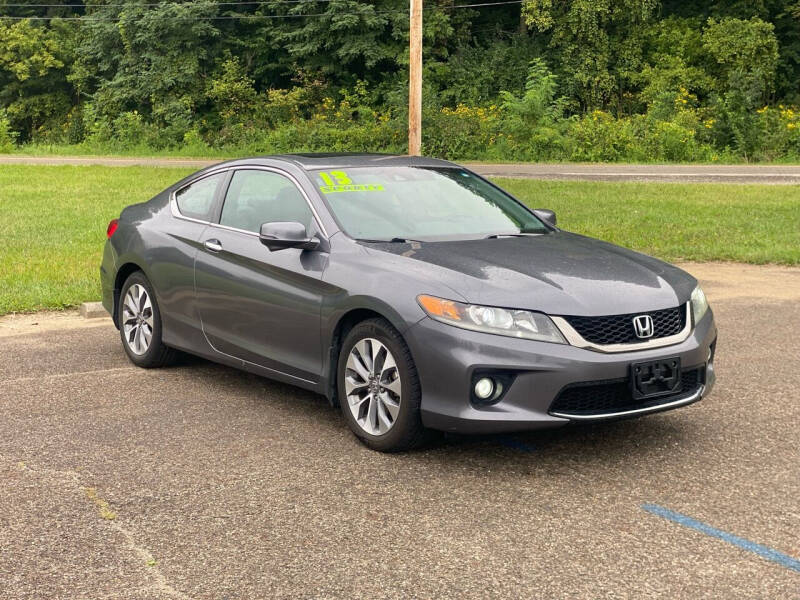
(197, 199)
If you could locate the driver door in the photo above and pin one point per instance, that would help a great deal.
(259, 306)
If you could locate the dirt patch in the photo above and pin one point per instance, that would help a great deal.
(725, 281)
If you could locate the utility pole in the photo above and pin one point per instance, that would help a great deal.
(415, 80)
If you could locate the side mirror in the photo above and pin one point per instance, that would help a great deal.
(546, 215)
(286, 234)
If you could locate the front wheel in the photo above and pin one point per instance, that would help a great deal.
(140, 324)
(378, 388)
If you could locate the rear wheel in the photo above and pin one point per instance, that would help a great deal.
(140, 324)
(379, 389)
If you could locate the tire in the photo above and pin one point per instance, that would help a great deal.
(385, 413)
(144, 319)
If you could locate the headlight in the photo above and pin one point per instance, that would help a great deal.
(490, 319)
(699, 304)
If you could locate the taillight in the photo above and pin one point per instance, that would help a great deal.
(112, 227)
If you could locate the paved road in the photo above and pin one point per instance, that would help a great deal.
(202, 482)
(771, 174)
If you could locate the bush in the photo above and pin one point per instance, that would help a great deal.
(130, 130)
(526, 126)
(672, 141)
(530, 123)
(460, 132)
(598, 136)
(7, 137)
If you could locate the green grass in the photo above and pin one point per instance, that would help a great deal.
(702, 222)
(57, 150)
(53, 226)
(53, 221)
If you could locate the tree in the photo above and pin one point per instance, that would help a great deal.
(149, 58)
(598, 43)
(743, 50)
(33, 88)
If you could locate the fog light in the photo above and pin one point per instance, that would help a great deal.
(484, 388)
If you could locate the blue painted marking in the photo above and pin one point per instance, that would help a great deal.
(510, 442)
(763, 551)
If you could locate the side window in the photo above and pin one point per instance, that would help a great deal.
(256, 197)
(197, 200)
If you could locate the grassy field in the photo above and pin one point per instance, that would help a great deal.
(53, 225)
(703, 221)
(53, 221)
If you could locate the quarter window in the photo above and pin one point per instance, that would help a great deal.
(197, 199)
(256, 197)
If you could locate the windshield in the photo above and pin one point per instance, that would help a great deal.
(385, 203)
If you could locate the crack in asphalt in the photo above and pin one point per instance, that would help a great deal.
(69, 374)
(158, 581)
(161, 584)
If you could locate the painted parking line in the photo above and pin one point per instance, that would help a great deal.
(763, 551)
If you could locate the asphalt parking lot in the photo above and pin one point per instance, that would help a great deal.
(199, 481)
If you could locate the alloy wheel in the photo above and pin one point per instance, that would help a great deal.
(137, 319)
(372, 385)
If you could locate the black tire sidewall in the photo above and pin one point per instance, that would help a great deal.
(408, 422)
(156, 349)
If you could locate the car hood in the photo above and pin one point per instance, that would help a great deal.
(557, 273)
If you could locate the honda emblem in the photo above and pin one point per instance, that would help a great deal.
(643, 326)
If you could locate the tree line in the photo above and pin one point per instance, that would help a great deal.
(530, 80)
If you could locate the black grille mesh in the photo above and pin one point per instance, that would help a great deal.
(618, 329)
(614, 395)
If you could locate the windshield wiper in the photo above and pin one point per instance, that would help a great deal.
(394, 240)
(494, 236)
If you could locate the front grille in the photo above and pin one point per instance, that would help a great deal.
(614, 395)
(618, 329)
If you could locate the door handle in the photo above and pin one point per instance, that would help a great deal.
(213, 245)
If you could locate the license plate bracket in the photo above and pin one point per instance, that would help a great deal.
(655, 378)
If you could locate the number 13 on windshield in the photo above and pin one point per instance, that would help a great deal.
(338, 181)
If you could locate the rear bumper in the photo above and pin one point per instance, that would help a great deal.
(108, 274)
(447, 357)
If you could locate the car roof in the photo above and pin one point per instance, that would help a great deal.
(342, 160)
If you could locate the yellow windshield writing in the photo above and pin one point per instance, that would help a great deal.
(338, 181)
(353, 187)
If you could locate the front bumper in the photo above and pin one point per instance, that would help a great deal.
(446, 358)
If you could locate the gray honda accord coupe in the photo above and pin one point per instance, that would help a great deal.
(410, 291)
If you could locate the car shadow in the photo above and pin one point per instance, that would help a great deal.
(610, 443)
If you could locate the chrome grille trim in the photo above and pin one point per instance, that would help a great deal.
(694, 397)
(575, 339)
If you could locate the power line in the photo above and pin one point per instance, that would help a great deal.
(240, 17)
(243, 3)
